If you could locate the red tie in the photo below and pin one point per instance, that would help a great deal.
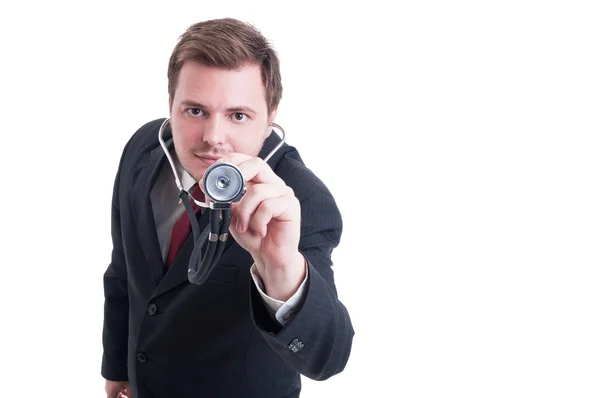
(182, 227)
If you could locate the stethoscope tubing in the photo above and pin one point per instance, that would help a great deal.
(214, 237)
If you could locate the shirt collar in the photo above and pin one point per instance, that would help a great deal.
(186, 179)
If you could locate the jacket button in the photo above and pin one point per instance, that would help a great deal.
(152, 309)
(141, 357)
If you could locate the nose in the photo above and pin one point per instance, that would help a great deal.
(214, 132)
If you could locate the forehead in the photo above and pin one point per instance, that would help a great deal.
(219, 87)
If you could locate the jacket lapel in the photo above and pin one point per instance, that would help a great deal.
(143, 181)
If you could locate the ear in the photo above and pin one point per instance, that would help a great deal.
(273, 115)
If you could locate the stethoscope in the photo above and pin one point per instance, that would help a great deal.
(223, 185)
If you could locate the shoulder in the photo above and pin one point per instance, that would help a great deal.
(320, 213)
(298, 176)
(145, 138)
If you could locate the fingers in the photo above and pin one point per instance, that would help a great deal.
(112, 389)
(113, 393)
(276, 208)
(261, 196)
(117, 389)
(253, 169)
(255, 194)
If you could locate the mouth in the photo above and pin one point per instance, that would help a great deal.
(208, 159)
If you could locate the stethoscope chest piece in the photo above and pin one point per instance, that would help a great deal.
(223, 184)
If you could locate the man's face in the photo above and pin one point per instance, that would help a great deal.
(215, 112)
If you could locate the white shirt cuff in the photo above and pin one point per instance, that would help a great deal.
(278, 310)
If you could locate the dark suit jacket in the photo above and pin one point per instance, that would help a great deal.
(171, 338)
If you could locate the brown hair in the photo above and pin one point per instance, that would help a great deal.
(227, 43)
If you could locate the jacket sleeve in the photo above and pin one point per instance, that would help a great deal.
(316, 340)
(116, 303)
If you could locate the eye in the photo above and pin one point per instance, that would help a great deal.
(239, 117)
(195, 112)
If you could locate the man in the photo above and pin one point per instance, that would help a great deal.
(268, 311)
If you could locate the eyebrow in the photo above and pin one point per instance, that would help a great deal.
(241, 109)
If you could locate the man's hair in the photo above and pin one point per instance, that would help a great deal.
(229, 44)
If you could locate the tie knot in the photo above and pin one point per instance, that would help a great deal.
(195, 190)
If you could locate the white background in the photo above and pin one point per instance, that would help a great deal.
(468, 181)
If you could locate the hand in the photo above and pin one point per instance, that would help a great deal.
(266, 223)
(117, 389)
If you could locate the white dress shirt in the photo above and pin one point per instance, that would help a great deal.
(167, 208)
